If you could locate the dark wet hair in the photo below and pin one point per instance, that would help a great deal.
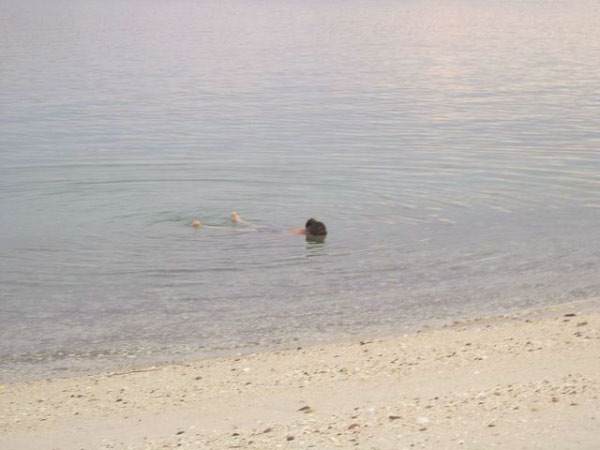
(315, 228)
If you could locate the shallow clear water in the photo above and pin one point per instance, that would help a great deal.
(451, 147)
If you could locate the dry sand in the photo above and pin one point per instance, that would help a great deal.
(525, 381)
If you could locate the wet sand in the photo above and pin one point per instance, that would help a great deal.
(524, 381)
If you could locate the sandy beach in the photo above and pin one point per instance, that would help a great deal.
(524, 381)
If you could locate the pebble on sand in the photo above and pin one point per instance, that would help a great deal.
(421, 420)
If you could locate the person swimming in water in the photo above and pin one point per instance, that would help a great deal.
(314, 230)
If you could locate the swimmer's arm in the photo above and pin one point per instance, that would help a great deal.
(298, 231)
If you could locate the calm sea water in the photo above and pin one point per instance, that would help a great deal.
(451, 147)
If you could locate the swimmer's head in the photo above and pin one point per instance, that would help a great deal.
(315, 230)
(196, 223)
(235, 217)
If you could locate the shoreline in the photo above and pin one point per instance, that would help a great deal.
(79, 364)
(523, 380)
